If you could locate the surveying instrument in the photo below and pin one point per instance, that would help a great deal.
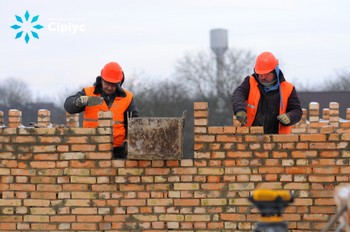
(271, 204)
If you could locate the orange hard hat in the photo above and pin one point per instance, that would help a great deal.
(112, 72)
(265, 62)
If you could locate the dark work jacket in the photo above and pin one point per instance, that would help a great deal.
(269, 104)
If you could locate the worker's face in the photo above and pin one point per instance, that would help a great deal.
(108, 87)
(266, 78)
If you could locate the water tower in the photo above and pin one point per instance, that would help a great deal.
(219, 45)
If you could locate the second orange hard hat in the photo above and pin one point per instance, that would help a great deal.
(265, 62)
(112, 72)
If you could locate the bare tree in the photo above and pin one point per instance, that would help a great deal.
(340, 83)
(159, 97)
(60, 98)
(14, 92)
(198, 76)
(305, 86)
(198, 72)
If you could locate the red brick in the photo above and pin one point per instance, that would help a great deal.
(285, 138)
(313, 137)
(326, 170)
(82, 164)
(321, 178)
(329, 154)
(49, 187)
(200, 106)
(42, 164)
(298, 170)
(200, 122)
(103, 172)
(200, 114)
(7, 226)
(157, 171)
(213, 186)
(204, 138)
(271, 170)
(43, 195)
(43, 226)
(215, 130)
(83, 147)
(134, 202)
(325, 146)
(239, 154)
(84, 210)
(75, 187)
(186, 202)
(22, 187)
(84, 226)
(214, 179)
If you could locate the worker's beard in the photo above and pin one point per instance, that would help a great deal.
(269, 84)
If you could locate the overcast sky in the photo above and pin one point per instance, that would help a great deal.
(309, 37)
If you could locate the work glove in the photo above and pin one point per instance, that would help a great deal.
(88, 101)
(241, 116)
(284, 119)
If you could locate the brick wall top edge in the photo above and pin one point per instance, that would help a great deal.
(43, 119)
(330, 117)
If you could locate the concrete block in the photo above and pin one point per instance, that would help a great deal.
(155, 138)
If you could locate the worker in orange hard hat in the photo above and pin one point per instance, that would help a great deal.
(107, 94)
(266, 99)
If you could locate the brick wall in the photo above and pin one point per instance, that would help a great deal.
(62, 178)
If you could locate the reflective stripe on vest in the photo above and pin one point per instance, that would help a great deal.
(119, 106)
(286, 89)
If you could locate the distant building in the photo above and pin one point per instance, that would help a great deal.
(324, 98)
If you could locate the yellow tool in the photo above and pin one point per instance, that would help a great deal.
(271, 204)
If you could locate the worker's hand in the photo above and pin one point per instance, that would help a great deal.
(88, 101)
(284, 119)
(81, 101)
(242, 117)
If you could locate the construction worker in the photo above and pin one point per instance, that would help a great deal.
(266, 99)
(106, 94)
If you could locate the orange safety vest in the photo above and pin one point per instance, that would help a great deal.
(119, 106)
(254, 98)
